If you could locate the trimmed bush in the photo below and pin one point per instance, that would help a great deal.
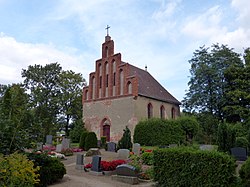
(155, 132)
(189, 167)
(17, 170)
(125, 141)
(241, 142)
(245, 173)
(104, 142)
(147, 158)
(90, 141)
(82, 139)
(226, 137)
(51, 169)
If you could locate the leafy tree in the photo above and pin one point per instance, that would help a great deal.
(78, 129)
(207, 85)
(237, 95)
(125, 141)
(42, 83)
(15, 121)
(226, 137)
(70, 86)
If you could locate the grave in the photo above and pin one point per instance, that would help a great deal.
(239, 153)
(136, 149)
(123, 154)
(96, 165)
(126, 173)
(111, 146)
(59, 148)
(49, 139)
(39, 146)
(65, 143)
(206, 147)
(79, 162)
(93, 151)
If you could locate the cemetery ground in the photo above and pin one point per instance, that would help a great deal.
(80, 178)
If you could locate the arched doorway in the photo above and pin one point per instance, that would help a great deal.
(106, 129)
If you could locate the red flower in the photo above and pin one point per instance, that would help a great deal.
(149, 151)
(108, 165)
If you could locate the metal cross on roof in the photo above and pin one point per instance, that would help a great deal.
(107, 28)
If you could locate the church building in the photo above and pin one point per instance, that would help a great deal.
(120, 94)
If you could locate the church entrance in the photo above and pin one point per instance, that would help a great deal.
(106, 129)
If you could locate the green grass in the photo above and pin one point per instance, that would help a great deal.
(74, 144)
(149, 147)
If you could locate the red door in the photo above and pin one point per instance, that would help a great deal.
(106, 132)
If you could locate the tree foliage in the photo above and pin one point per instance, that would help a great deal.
(209, 83)
(125, 142)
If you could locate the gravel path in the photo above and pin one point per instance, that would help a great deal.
(80, 178)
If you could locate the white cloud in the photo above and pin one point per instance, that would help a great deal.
(243, 9)
(16, 56)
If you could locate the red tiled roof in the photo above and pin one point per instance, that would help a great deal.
(149, 87)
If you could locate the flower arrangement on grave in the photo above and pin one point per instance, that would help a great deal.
(108, 165)
(67, 152)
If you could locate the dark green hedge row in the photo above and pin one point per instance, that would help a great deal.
(156, 131)
(189, 167)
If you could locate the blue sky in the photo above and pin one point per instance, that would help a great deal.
(162, 34)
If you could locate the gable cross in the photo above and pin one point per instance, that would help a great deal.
(107, 28)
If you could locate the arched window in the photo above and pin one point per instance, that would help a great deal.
(87, 95)
(100, 81)
(150, 110)
(162, 112)
(173, 113)
(114, 75)
(107, 72)
(106, 51)
(121, 81)
(93, 88)
(129, 87)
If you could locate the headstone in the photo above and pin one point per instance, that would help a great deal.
(96, 163)
(39, 146)
(239, 153)
(93, 151)
(59, 148)
(111, 146)
(79, 161)
(136, 149)
(126, 170)
(206, 147)
(172, 145)
(99, 143)
(49, 139)
(65, 143)
(123, 154)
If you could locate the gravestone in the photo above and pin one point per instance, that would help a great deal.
(239, 153)
(172, 145)
(111, 146)
(65, 143)
(39, 146)
(79, 162)
(96, 163)
(123, 154)
(136, 149)
(59, 148)
(206, 147)
(99, 143)
(49, 139)
(126, 170)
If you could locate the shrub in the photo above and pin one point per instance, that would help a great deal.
(76, 132)
(104, 142)
(155, 132)
(82, 139)
(245, 173)
(17, 170)
(241, 142)
(189, 167)
(136, 162)
(147, 158)
(90, 141)
(125, 141)
(225, 137)
(51, 169)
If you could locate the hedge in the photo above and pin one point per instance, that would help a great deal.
(189, 167)
(90, 141)
(154, 132)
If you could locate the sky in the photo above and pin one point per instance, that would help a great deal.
(159, 34)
